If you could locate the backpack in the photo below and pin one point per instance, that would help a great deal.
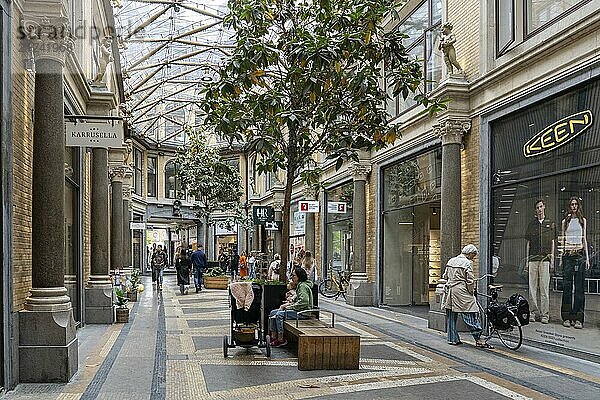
(520, 307)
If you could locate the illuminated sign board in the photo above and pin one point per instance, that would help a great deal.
(558, 134)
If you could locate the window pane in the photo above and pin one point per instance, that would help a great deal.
(418, 53)
(416, 24)
(171, 184)
(151, 176)
(539, 12)
(434, 60)
(436, 11)
(505, 17)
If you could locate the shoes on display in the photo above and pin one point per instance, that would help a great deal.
(545, 320)
(578, 325)
(567, 324)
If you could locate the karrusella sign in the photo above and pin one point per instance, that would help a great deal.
(558, 134)
(94, 134)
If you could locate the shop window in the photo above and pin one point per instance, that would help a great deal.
(338, 242)
(410, 238)
(536, 14)
(72, 228)
(172, 184)
(422, 28)
(151, 176)
(137, 171)
(531, 195)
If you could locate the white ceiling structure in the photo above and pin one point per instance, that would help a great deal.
(169, 50)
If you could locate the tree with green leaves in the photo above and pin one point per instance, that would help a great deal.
(307, 77)
(216, 185)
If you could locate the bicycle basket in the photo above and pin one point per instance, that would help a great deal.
(521, 306)
(498, 316)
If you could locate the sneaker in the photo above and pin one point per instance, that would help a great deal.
(279, 343)
(197, 289)
(567, 324)
(578, 325)
(545, 320)
(186, 291)
(532, 317)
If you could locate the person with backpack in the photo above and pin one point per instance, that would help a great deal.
(160, 262)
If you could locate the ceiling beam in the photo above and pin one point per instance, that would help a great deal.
(146, 22)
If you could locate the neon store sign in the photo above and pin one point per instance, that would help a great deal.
(558, 134)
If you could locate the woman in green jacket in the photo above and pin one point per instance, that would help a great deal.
(304, 301)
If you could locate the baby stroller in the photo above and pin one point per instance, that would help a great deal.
(246, 326)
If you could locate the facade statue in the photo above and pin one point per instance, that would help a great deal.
(104, 58)
(447, 41)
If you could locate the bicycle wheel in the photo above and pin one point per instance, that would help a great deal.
(512, 337)
(328, 288)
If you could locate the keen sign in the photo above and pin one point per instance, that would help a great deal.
(558, 134)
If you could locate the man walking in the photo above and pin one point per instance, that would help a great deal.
(160, 261)
(540, 236)
(199, 264)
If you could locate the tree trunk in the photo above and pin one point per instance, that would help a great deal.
(285, 229)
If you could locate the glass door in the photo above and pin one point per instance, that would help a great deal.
(398, 257)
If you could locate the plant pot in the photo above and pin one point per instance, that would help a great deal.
(122, 315)
(216, 282)
(133, 295)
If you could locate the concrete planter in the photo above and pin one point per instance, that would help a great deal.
(122, 315)
(216, 282)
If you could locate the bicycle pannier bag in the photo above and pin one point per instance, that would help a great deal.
(522, 308)
(499, 316)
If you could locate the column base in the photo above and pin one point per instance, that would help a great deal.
(359, 292)
(99, 305)
(48, 346)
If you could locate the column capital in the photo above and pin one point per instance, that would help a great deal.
(127, 191)
(360, 171)
(117, 173)
(50, 37)
(452, 130)
(278, 197)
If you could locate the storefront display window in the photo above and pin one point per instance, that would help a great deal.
(545, 190)
(411, 229)
(72, 229)
(339, 228)
(297, 232)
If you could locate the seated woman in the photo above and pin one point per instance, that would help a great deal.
(303, 301)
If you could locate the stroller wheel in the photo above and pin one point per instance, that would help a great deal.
(225, 345)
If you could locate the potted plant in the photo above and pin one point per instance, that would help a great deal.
(215, 278)
(121, 303)
(134, 285)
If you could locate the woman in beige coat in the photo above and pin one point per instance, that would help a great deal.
(459, 296)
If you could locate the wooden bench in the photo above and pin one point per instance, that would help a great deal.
(321, 346)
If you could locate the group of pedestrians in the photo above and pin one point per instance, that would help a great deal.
(187, 262)
(238, 266)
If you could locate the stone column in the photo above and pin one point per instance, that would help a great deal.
(127, 259)
(360, 291)
(116, 220)
(450, 131)
(98, 293)
(47, 336)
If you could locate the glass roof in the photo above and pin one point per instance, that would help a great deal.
(169, 50)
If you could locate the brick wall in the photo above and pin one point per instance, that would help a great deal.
(22, 90)
(464, 16)
(470, 187)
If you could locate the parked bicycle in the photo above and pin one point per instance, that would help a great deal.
(334, 287)
(504, 320)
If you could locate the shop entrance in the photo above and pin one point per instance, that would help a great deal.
(411, 254)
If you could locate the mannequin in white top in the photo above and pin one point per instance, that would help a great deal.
(575, 256)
